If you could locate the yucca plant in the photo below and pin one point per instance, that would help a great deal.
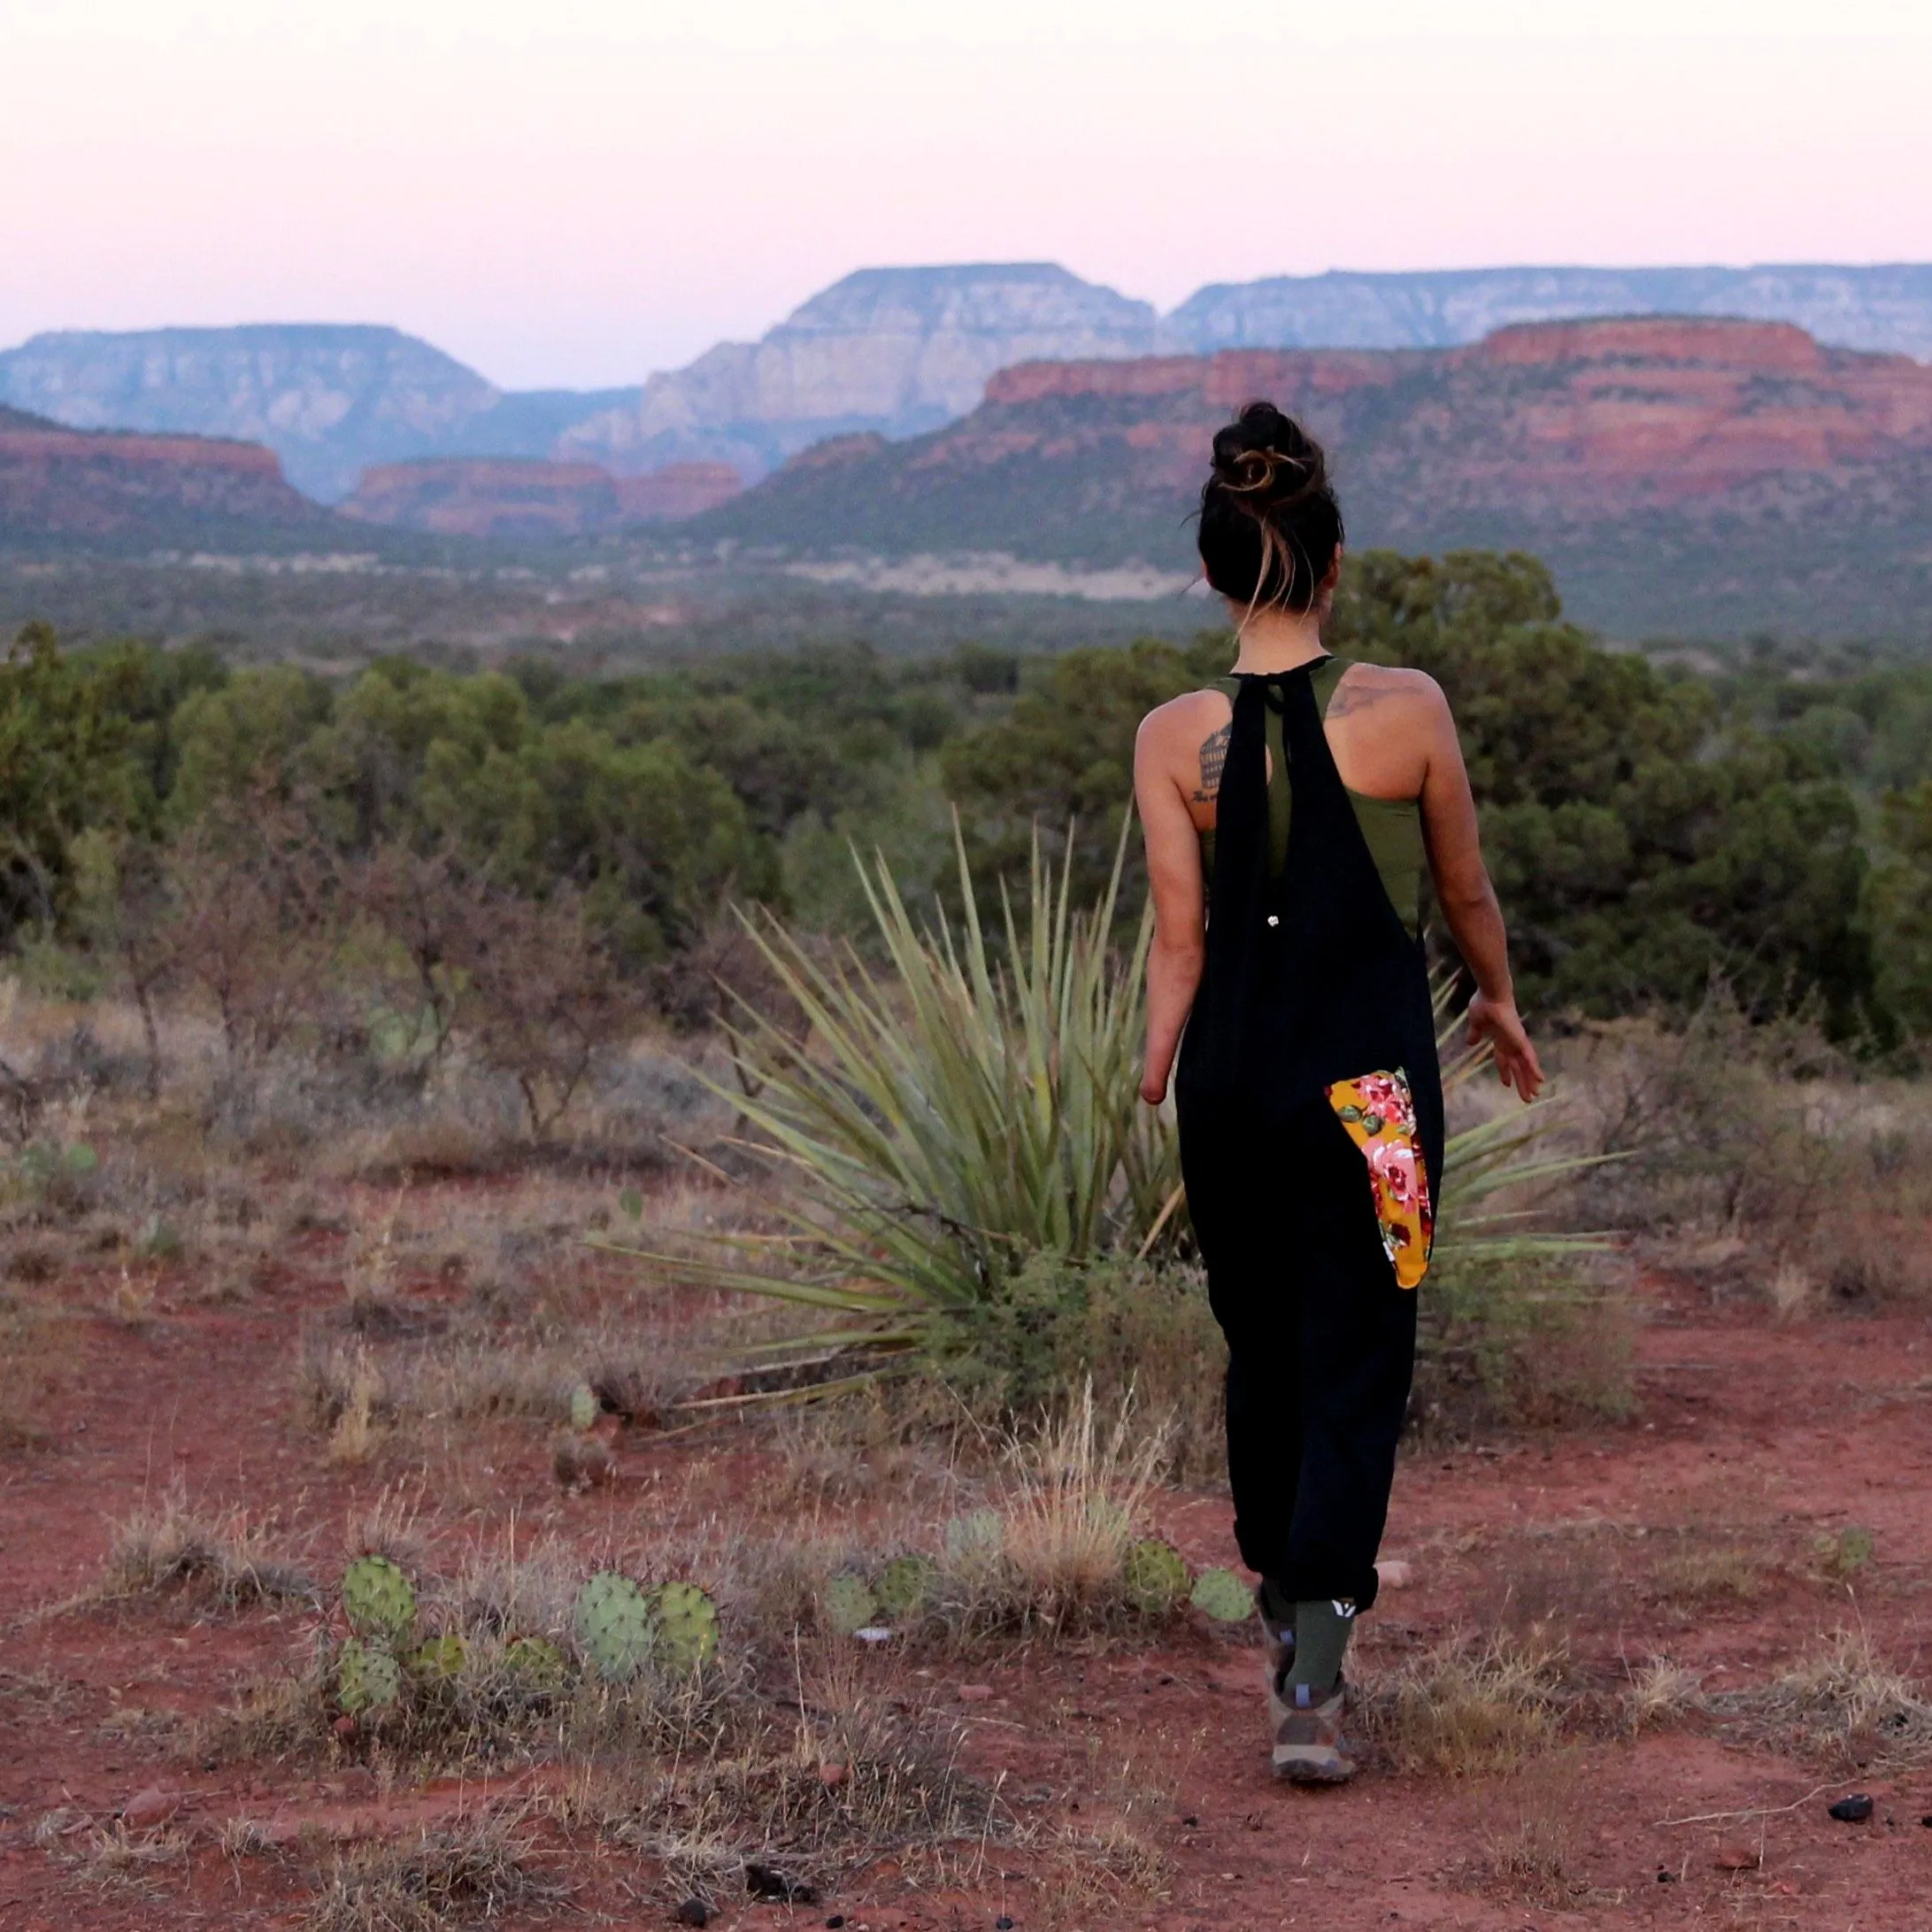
(947, 1120)
(1497, 1156)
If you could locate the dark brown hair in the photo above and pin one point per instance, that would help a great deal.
(1269, 526)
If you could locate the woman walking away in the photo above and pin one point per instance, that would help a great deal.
(1302, 798)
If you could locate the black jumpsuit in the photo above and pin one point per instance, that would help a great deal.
(1312, 981)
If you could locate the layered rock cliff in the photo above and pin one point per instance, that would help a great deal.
(70, 486)
(894, 351)
(1726, 472)
(326, 399)
(1887, 308)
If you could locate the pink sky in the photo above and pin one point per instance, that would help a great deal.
(580, 192)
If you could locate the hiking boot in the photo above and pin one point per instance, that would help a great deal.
(1278, 1641)
(1309, 1747)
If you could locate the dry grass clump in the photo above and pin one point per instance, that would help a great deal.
(1762, 1159)
(1095, 1872)
(870, 1444)
(474, 1870)
(1465, 1709)
(1070, 1505)
(1659, 1692)
(1036, 1547)
(1845, 1703)
(1705, 1570)
(1531, 1841)
(361, 1375)
(218, 1557)
(847, 1775)
(113, 1854)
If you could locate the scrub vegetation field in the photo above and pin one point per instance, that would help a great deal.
(569, 1354)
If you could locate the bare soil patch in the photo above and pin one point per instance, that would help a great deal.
(1621, 1685)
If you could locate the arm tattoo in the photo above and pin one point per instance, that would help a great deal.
(1214, 757)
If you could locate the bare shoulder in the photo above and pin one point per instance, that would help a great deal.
(1186, 740)
(1180, 719)
(1393, 688)
(1174, 731)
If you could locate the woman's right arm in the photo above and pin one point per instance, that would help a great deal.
(1173, 873)
(1469, 905)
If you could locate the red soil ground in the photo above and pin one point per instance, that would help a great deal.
(1757, 1439)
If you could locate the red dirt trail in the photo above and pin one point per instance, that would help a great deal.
(1747, 1438)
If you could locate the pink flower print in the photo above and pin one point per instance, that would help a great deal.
(1393, 1165)
(1386, 1095)
(1378, 1112)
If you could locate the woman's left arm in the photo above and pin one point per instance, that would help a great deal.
(1173, 873)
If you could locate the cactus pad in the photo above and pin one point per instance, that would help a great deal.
(847, 1604)
(1156, 1577)
(439, 1659)
(976, 1538)
(1221, 1595)
(613, 1627)
(685, 1621)
(377, 1598)
(535, 1663)
(584, 1407)
(904, 1585)
(366, 1678)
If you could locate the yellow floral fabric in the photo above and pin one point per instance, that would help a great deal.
(1379, 1112)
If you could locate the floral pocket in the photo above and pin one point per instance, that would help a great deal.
(1379, 1112)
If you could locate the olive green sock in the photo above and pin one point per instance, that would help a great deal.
(1322, 1629)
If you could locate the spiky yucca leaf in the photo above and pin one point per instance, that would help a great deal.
(953, 1116)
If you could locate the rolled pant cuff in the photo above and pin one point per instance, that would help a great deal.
(1322, 1581)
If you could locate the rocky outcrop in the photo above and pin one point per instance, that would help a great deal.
(1651, 460)
(516, 499)
(67, 486)
(677, 491)
(894, 351)
(329, 400)
(1886, 308)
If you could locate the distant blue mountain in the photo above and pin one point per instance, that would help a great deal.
(329, 399)
(1884, 308)
(895, 350)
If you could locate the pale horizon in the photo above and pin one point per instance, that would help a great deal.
(579, 200)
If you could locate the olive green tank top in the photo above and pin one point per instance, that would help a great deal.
(1392, 827)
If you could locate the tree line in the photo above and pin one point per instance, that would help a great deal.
(517, 861)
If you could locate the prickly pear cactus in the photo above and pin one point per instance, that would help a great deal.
(536, 1664)
(584, 1407)
(366, 1678)
(1221, 1595)
(904, 1585)
(975, 1538)
(377, 1598)
(439, 1659)
(847, 1604)
(686, 1623)
(613, 1627)
(1156, 1577)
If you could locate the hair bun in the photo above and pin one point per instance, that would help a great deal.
(1268, 457)
(1270, 528)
